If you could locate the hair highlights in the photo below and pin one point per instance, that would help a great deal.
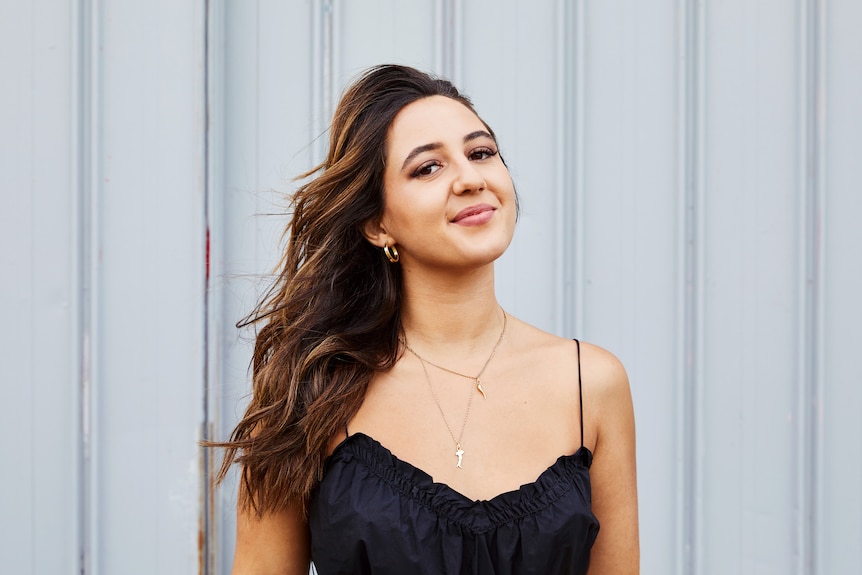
(331, 318)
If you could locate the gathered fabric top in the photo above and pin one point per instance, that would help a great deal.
(373, 513)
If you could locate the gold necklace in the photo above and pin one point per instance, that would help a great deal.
(459, 451)
(481, 371)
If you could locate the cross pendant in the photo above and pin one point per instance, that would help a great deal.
(459, 453)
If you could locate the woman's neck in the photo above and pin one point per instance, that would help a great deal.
(451, 316)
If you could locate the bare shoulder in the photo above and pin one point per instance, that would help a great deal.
(603, 373)
(607, 397)
(575, 371)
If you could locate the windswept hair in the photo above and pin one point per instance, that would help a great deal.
(331, 319)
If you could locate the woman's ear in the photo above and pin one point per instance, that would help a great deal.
(376, 234)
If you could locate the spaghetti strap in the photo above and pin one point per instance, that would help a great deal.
(580, 392)
(347, 433)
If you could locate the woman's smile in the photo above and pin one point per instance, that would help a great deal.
(474, 215)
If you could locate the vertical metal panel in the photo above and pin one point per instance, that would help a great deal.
(448, 37)
(214, 499)
(322, 72)
(569, 166)
(147, 353)
(809, 458)
(89, 145)
(394, 32)
(38, 257)
(630, 232)
(749, 306)
(691, 23)
(234, 215)
(840, 523)
(689, 310)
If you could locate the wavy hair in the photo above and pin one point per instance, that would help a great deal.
(331, 319)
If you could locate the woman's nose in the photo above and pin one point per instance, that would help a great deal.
(468, 178)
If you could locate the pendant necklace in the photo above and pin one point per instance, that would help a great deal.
(459, 451)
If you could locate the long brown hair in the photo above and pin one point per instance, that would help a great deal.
(331, 319)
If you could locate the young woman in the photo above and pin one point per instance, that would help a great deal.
(401, 420)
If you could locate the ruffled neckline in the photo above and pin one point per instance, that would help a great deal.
(567, 473)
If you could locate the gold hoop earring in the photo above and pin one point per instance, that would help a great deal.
(391, 253)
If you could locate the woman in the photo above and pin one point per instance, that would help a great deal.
(401, 419)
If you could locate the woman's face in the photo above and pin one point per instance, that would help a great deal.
(449, 201)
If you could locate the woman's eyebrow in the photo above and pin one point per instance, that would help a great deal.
(437, 145)
(418, 150)
(477, 134)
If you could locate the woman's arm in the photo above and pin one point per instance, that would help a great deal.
(607, 398)
(275, 544)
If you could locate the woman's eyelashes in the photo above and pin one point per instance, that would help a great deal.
(426, 169)
(482, 153)
(476, 155)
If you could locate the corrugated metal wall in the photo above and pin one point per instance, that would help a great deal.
(689, 174)
(103, 292)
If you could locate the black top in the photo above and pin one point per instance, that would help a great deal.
(373, 513)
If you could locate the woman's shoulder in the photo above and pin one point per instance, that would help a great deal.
(602, 365)
(601, 373)
(573, 376)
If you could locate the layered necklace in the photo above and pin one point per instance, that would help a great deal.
(459, 451)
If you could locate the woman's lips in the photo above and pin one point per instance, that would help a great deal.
(474, 215)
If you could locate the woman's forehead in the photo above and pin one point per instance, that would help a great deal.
(432, 119)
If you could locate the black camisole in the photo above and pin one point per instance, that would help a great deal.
(373, 513)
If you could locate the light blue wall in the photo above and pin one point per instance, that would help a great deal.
(689, 175)
(103, 231)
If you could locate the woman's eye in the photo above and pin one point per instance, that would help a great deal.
(426, 169)
(482, 154)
